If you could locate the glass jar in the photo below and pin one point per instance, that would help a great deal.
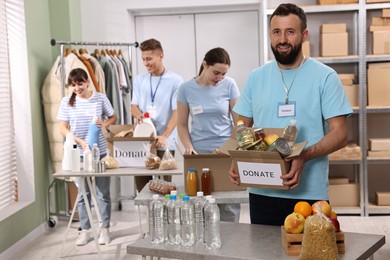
(192, 182)
(206, 181)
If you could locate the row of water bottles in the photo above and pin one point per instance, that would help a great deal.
(183, 221)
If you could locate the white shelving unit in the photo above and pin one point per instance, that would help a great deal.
(356, 17)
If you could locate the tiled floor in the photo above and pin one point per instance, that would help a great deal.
(125, 229)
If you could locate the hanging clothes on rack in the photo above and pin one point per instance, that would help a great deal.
(55, 87)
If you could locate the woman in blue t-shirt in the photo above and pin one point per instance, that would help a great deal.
(209, 99)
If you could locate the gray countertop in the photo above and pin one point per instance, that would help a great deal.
(247, 241)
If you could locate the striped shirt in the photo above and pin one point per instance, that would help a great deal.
(82, 113)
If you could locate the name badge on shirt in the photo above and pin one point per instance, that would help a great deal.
(152, 111)
(285, 110)
(197, 109)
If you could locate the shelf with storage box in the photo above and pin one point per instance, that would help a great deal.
(338, 23)
(377, 137)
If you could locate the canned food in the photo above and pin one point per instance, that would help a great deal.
(282, 146)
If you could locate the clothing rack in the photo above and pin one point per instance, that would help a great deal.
(55, 42)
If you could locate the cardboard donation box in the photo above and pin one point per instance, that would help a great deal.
(382, 198)
(129, 151)
(343, 193)
(331, 34)
(261, 169)
(219, 165)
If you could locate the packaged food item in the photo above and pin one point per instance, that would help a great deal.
(110, 162)
(244, 135)
(152, 161)
(161, 186)
(319, 239)
(192, 182)
(168, 162)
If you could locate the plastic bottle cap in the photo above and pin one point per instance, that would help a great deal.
(186, 198)
(172, 197)
(293, 122)
(191, 169)
(212, 200)
(167, 196)
(199, 194)
(155, 196)
(174, 192)
(208, 197)
(240, 122)
(205, 169)
(146, 115)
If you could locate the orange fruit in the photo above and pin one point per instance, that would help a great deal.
(303, 208)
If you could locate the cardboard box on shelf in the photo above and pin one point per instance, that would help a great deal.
(382, 198)
(219, 165)
(338, 180)
(344, 195)
(378, 80)
(128, 151)
(386, 13)
(378, 154)
(334, 2)
(377, 1)
(379, 28)
(381, 42)
(328, 46)
(352, 92)
(350, 152)
(379, 144)
(260, 169)
(375, 21)
(333, 28)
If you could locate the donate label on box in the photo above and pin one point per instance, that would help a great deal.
(131, 153)
(255, 173)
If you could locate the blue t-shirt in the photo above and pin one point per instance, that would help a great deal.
(83, 112)
(317, 94)
(211, 123)
(163, 92)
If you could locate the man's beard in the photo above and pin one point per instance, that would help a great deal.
(287, 59)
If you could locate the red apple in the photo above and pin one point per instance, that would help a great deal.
(322, 206)
(335, 223)
(294, 223)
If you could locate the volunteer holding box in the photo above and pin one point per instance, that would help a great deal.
(294, 87)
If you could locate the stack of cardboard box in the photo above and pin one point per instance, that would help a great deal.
(378, 82)
(379, 147)
(350, 152)
(351, 89)
(334, 40)
(380, 28)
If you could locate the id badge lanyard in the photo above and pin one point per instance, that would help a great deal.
(152, 110)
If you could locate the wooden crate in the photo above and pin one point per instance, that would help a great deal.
(292, 243)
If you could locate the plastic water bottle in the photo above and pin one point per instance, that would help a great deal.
(174, 234)
(95, 155)
(212, 220)
(290, 132)
(244, 135)
(93, 132)
(156, 225)
(206, 204)
(187, 222)
(199, 219)
(87, 159)
(165, 216)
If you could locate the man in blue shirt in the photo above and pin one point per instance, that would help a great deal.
(294, 87)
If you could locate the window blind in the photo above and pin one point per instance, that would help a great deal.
(8, 173)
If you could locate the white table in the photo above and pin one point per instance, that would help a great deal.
(133, 171)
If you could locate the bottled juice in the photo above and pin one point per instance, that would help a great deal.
(192, 182)
(244, 135)
(206, 181)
